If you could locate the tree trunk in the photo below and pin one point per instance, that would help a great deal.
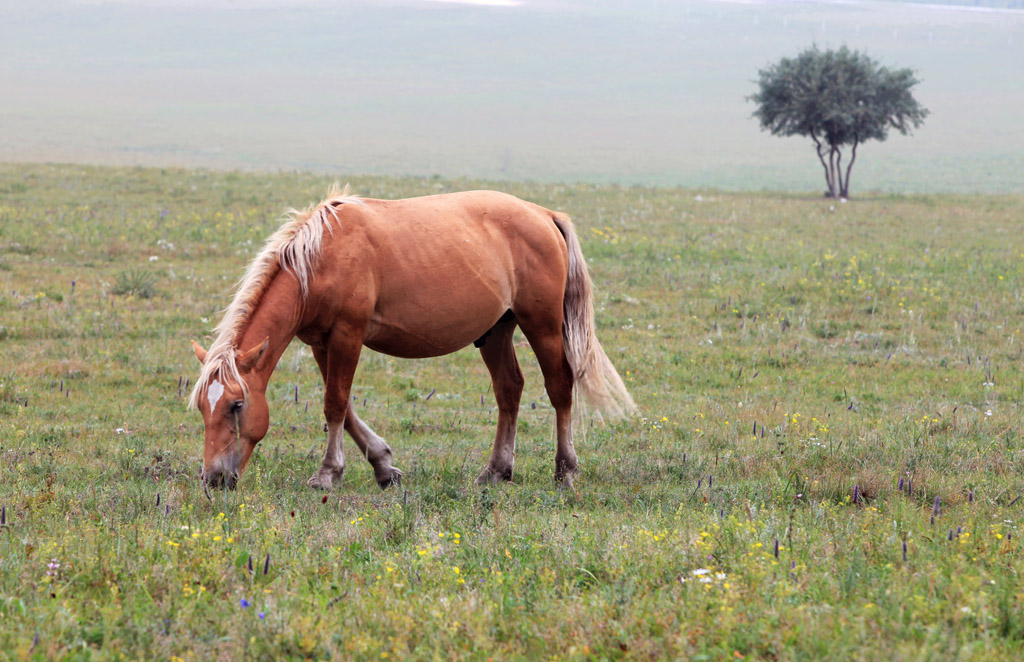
(833, 190)
(845, 192)
(839, 174)
(819, 149)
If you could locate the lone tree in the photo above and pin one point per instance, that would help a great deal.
(838, 98)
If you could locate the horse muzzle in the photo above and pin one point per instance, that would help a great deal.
(219, 476)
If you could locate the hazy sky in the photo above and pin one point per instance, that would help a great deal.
(629, 91)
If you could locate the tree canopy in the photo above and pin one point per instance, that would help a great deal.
(838, 98)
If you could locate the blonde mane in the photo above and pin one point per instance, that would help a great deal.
(295, 247)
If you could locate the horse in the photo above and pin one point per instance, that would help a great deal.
(412, 278)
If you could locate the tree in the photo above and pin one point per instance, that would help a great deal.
(838, 98)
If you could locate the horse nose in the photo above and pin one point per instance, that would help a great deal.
(220, 478)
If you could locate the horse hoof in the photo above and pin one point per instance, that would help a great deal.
(323, 480)
(392, 477)
(491, 476)
(566, 476)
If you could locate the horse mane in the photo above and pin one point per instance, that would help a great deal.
(295, 247)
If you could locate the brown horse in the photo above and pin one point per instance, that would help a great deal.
(411, 278)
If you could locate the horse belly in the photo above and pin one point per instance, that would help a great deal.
(448, 274)
(433, 321)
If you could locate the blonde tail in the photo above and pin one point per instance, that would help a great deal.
(593, 371)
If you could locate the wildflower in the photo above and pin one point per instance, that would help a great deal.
(262, 615)
(244, 603)
(703, 575)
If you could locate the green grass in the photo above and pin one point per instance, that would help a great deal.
(785, 351)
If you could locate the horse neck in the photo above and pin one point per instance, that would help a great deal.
(276, 317)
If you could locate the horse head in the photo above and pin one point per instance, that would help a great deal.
(236, 416)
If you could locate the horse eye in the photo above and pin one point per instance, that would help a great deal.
(236, 406)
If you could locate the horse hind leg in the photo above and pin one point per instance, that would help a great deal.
(544, 332)
(507, 379)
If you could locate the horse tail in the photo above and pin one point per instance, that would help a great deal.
(593, 372)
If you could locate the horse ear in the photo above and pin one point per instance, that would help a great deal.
(248, 359)
(200, 352)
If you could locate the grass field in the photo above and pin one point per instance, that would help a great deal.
(827, 464)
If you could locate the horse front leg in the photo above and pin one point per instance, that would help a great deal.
(374, 449)
(338, 365)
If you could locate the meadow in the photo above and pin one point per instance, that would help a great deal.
(826, 465)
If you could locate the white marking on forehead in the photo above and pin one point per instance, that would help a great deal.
(213, 393)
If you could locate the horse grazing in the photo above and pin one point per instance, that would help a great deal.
(411, 278)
